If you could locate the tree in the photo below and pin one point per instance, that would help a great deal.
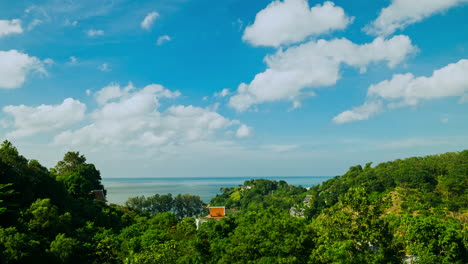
(71, 161)
(353, 231)
(137, 203)
(78, 177)
(186, 205)
(43, 217)
(4, 193)
(64, 248)
(16, 247)
(433, 240)
(10, 155)
(264, 236)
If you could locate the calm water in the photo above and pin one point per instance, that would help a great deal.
(119, 189)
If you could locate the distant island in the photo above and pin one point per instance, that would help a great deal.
(412, 210)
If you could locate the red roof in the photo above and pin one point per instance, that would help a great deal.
(217, 212)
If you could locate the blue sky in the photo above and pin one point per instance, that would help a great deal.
(176, 88)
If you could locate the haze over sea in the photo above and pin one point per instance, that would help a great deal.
(120, 189)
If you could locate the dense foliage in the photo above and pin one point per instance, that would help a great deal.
(414, 209)
(182, 205)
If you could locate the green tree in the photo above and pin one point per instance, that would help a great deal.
(64, 248)
(16, 247)
(4, 192)
(78, 177)
(43, 217)
(186, 205)
(263, 236)
(353, 231)
(433, 240)
(70, 163)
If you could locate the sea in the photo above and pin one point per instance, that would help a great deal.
(120, 189)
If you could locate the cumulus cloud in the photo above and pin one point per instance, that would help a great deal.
(32, 120)
(94, 32)
(16, 66)
(223, 93)
(359, 113)
(8, 27)
(163, 39)
(408, 90)
(149, 20)
(292, 21)
(401, 13)
(114, 91)
(315, 64)
(243, 131)
(110, 92)
(131, 116)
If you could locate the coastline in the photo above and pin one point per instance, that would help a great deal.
(120, 189)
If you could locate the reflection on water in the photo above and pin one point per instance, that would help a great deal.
(119, 189)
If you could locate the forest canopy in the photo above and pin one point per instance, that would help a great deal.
(413, 210)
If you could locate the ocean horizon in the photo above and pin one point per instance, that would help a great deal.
(120, 189)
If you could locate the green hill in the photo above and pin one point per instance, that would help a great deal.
(414, 209)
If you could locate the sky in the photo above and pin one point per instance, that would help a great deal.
(185, 88)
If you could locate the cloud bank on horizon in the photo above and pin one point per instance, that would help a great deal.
(333, 63)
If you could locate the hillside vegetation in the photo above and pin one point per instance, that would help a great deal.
(414, 210)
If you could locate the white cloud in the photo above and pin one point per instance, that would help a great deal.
(292, 21)
(104, 67)
(315, 64)
(94, 32)
(73, 60)
(112, 91)
(214, 107)
(408, 90)
(34, 23)
(15, 66)
(88, 92)
(359, 113)
(239, 24)
(48, 61)
(243, 131)
(4, 123)
(223, 93)
(131, 117)
(401, 13)
(8, 27)
(32, 120)
(149, 20)
(163, 39)
(279, 148)
(73, 23)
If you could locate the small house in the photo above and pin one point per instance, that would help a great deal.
(215, 212)
(99, 195)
